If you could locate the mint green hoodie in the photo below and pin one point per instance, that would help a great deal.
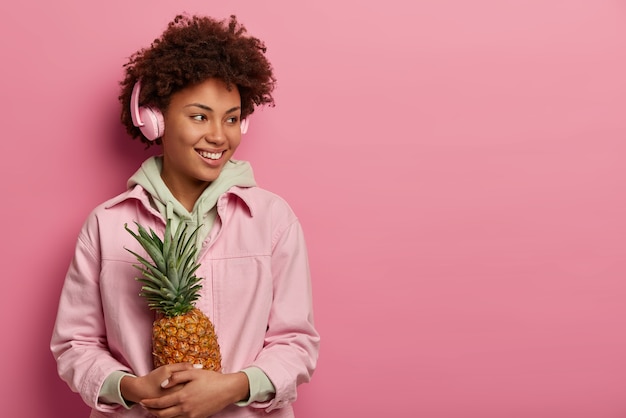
(234, 173)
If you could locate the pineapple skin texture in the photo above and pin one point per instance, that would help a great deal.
(188, 338)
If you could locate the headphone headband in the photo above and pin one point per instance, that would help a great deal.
(134, 105)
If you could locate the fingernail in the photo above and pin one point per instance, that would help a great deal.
(197, 366)
(165, 382)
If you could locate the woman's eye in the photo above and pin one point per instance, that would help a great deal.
(198, 117)
(232, 119)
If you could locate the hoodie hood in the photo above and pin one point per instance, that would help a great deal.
(235, 173)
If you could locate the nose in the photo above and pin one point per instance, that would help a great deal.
(215, 133)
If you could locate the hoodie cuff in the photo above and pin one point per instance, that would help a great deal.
(110, 392)
(261, 388)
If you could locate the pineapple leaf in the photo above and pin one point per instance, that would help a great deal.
(153, 237)
(169, 284)
(151, 248)
(172, 255)
(157, 281)
(167, 238)
(147, 264)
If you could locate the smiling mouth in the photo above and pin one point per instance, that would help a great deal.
(211, 155)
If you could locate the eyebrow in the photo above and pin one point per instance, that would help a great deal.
(208, 109)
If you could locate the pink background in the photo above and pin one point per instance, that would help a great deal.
(458, 167)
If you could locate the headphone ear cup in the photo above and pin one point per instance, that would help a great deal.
(154, 124)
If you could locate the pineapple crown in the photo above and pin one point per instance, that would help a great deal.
(169, 282)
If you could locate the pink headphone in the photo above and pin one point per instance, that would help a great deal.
(150, 121)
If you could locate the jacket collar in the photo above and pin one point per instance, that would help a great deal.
(140, 194)
(241, 193)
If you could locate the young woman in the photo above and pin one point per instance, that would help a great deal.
(190, 92)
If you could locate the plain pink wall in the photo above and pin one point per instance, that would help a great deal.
(458, 166)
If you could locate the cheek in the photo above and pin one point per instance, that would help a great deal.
(235, 141)
(182, 131)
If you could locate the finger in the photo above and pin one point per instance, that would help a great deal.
(178, 367)
(163, 413)
(180, 377)
(171, 369)
(161, 403)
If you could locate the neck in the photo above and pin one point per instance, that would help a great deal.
(186, 193)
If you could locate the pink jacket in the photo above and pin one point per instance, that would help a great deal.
(256, 290)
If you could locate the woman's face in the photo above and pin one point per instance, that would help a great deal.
(202, 131)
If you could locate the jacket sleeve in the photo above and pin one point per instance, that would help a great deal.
(79, 342)
(291, 345)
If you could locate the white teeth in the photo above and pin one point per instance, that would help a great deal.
(211, 155)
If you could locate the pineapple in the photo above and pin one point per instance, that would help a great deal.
(181, 332)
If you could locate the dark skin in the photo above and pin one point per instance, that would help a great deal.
(203, 118)
(182, 390)
(192, 142)
(165, 68)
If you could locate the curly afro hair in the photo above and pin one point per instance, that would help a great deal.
(191, 50)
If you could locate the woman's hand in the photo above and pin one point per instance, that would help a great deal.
(202, 393)
(134, 389)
